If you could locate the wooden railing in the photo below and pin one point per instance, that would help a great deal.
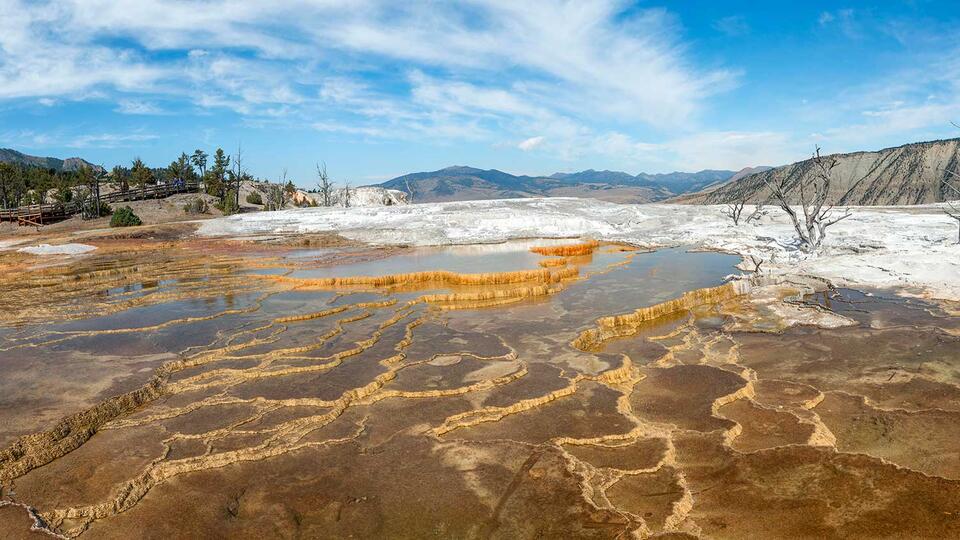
(41, 214)
(150, 192)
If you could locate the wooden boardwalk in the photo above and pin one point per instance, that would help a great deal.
(158, 191)
(37, 215)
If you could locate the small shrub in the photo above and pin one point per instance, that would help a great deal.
(105, 210)
(196, 206)
(255, 198)
(124, 217)
(228, 205)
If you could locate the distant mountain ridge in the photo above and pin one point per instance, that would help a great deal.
(902, 175)
(8, 155)
(460, 183)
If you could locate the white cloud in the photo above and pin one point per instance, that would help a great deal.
(110, 140)
(465, 98)
(599, 78)
(916, 103)
(60, 138)
(531, 144)
(733, 26)
(635, 65)
(731, 150)
(136, 106)
(333, 127)
(845, 20)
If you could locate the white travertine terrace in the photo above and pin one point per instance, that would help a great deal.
(60, 249)
(914, 248)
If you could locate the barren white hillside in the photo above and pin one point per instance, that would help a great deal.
(914, 248)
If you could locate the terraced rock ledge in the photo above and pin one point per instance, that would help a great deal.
(574, 388)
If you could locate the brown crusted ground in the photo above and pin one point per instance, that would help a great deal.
(219, 402)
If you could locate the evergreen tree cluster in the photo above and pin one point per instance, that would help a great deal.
(22, 185)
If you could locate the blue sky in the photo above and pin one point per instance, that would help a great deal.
(378, 88)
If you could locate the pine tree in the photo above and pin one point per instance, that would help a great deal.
(199, 160)
(216, 178)
(140, 175)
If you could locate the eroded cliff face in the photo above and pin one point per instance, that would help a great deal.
(909, 174)
(602, 392)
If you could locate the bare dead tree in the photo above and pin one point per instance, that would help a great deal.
(817, 214)
(409, 192)
(952, 208)
(346, 194)
(758, 211)
(239, 174)
(735, 209)
(756, 264)
(324, 186)
(276, 199)
(287, 189)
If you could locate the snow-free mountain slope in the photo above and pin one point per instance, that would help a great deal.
(8, 155)
(469, 183)
(909, 174)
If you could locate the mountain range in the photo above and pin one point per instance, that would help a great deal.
(8, 155)
(461, 183)
(914, 173)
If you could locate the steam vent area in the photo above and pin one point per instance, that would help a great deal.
(171, 387)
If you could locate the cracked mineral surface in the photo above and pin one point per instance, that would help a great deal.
(529, 389)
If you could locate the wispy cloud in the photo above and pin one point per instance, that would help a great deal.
(531, 144)
(917, 102)
(844, 19)
(60, 138)
(704, 150)
(733, 26)
(136, 106)
(600, 79)
(634, 62)
(110, 140)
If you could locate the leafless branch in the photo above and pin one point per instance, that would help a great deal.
(952, 208)
(817, 214)
(347, 192)
(955, 190)
(734, 210)
(324, 186)
(758, 211)
(409, 191)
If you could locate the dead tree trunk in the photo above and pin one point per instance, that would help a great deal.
(409, 192)
(324, 186)
(758, 212)
(817, 214)
(734, 210)
(952, 208)
(954, 212)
